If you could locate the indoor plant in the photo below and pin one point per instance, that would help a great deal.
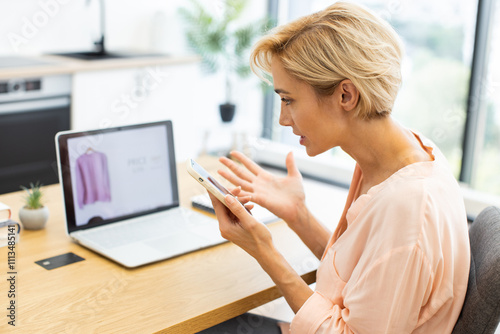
(33, 214)
(222, 43)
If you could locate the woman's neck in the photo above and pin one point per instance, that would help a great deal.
(381, 147)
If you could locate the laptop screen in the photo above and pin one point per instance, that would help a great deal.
(117, 173)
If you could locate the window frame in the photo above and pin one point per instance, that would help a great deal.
(476, 108)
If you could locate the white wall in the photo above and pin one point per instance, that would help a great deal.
(33, 27)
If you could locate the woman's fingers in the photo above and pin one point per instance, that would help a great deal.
(236, 208)
(244, 199)
(237, 169)
(247, 162)
(236, 191)
(245, 185)
(246, 202)
(242, 196)
(291, 165)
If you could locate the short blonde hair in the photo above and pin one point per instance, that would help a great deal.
(343, 41)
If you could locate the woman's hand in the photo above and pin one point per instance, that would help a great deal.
(236, 224)
(283, 196)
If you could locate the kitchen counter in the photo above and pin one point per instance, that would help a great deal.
(52, 65)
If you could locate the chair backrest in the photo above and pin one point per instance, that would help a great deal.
(481, 311)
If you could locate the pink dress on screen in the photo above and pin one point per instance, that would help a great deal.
(92, 179)
(399, 259)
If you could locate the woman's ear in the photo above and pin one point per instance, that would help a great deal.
(350, 95)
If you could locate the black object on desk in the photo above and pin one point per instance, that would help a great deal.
(59, 261)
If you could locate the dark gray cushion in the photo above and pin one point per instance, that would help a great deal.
(247, 323)
(481, 311)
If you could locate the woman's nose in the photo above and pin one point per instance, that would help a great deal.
(285, 119)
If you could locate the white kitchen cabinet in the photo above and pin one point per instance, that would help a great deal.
(134, 95)
(116, 97)
(180, 92)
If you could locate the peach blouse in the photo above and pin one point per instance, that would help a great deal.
(399, 259)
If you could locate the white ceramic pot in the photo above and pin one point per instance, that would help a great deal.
(34, 219)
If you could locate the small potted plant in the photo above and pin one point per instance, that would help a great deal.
(222, 43)
(33, 214)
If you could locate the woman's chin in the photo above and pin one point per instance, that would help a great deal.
(311, 152)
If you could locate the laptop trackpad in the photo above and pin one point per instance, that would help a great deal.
(156, 249)
(134, 254)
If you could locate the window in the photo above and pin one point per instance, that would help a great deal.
(485, 176)
(439, 39)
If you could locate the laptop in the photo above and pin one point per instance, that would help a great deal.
(121, 198)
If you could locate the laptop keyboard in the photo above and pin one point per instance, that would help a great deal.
(168, 224)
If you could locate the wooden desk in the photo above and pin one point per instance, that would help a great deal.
(181, 295)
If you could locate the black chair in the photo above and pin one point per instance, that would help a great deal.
(481, 311)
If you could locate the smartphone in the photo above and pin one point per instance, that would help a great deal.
(208, 181)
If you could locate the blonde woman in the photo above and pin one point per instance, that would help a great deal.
(398, 261)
